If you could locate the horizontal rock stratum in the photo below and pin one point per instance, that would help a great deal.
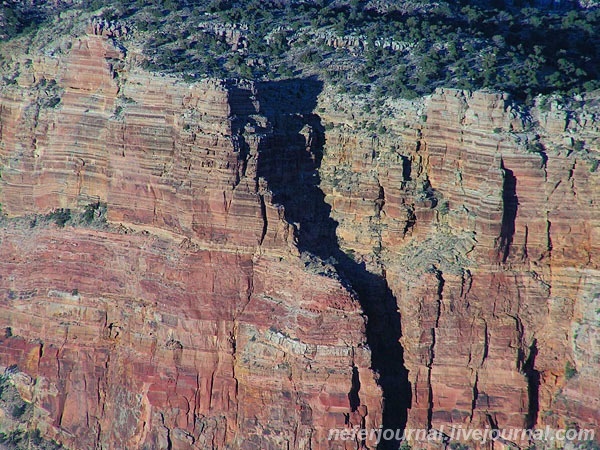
(270, 268)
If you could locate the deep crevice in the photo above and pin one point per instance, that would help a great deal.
(486, 342)
(406, 168)
(263, 213)
(533, 386)
(440, 297)
(509, 215)
(353, 396)
(289, 159)
(474, 396)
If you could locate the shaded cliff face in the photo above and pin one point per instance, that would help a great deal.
(271, 268)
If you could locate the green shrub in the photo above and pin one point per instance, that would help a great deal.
(17, 411)
(36, 437)
(570, 370)
(458, 446)
(60, 216)
(94, 211)
(444, 207)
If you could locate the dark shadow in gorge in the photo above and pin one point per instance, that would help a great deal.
(533, 386)
(510, 203)
(289, 160)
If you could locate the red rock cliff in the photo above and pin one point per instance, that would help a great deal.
(486, 220)
(191, 322)
(224, 303)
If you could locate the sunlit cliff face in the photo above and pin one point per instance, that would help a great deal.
(271, 267)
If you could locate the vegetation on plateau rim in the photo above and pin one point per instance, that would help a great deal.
(387, 48)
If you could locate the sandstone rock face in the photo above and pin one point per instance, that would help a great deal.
(134, 341)
(134, 143)
(174, 327)
(487, 225)
(263, 278)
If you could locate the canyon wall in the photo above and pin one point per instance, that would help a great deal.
(273, 266)
(485, 216)
(189, 319)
